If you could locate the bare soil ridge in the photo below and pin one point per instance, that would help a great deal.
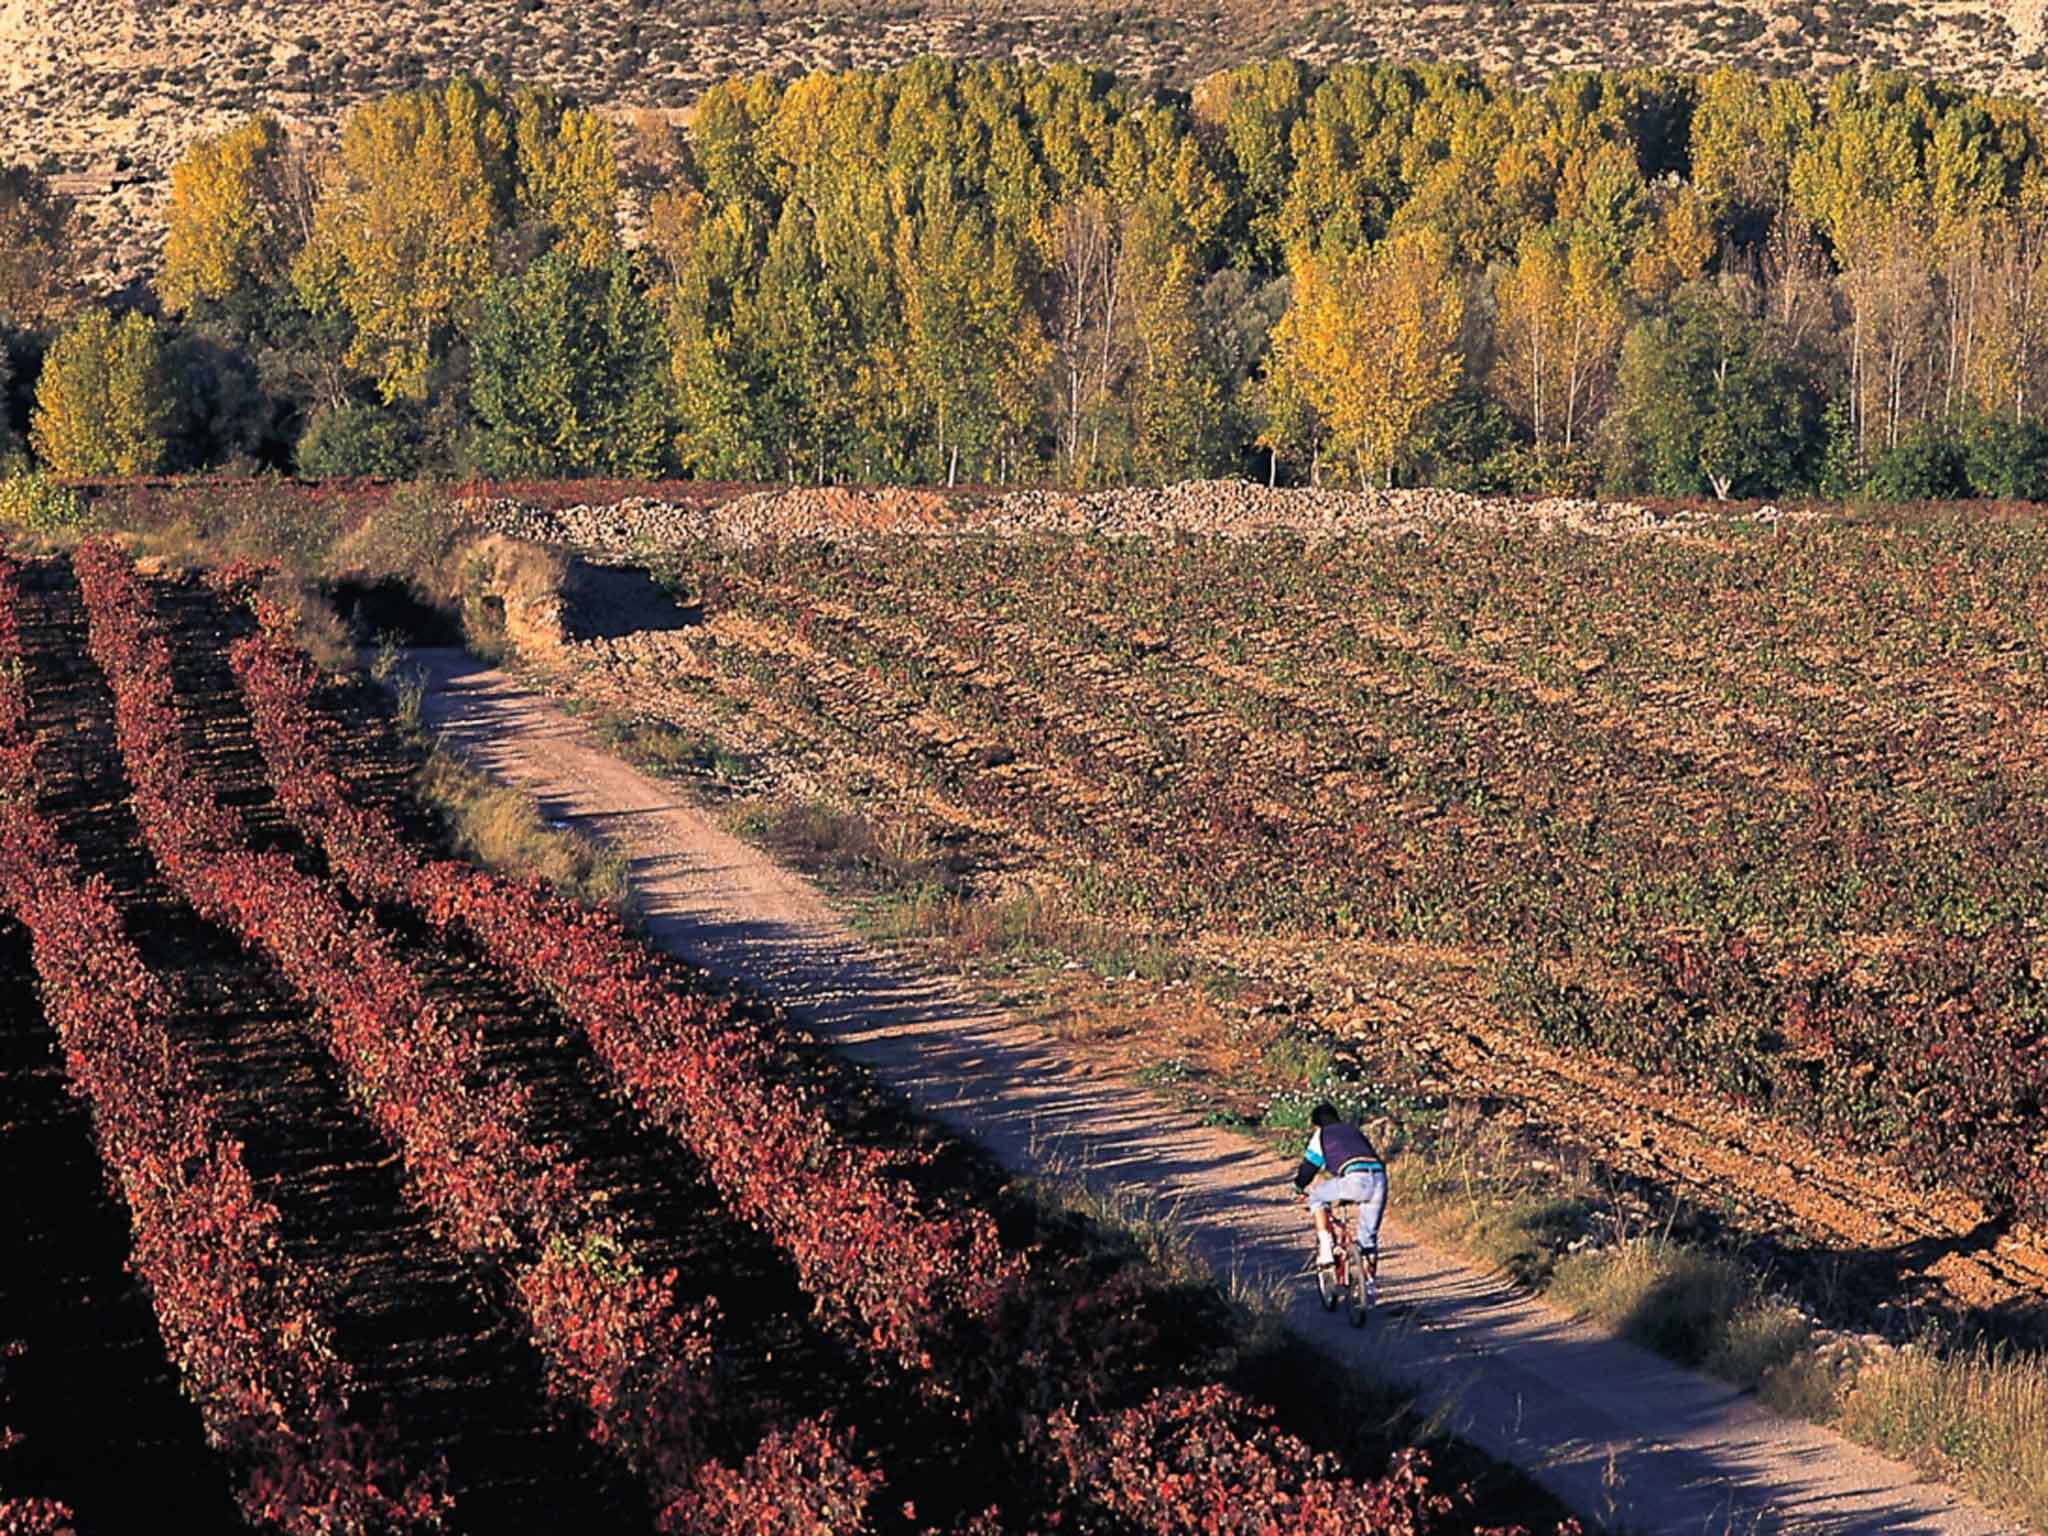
(107, 94)
(1611, 1429)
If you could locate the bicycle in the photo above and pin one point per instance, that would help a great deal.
(1353, 1274)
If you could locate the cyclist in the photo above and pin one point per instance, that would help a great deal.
(1343, 1165)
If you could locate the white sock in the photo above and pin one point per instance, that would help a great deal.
(1326, 1251)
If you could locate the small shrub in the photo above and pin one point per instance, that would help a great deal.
(35, 502)
(1673, 1299)
(2007, 460)
(665, 749)
(504, 830)
(411, 537)
(359, 441)
(1927, 465)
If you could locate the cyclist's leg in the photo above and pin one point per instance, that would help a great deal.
(1372, 1204)
(1320, 1199)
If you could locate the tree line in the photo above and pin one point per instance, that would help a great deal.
(998, 272)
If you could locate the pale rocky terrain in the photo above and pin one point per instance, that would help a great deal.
(641, 527)
(105, 94)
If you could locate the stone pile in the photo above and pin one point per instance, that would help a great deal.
(1208, 508)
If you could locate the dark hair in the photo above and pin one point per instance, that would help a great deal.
(1324, 1113)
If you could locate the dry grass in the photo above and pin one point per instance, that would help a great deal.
(845, 847)
(1677, 1300)
(504, 830)
(667, 750)
(1973, 1417)
(1978, 1418)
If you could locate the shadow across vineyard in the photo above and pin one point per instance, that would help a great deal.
(95, 1405)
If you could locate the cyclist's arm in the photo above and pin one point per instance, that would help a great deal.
(1311, 1167)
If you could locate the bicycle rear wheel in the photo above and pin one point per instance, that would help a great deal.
(1364, 1275)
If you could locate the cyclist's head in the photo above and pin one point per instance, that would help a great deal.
(1323, 1114)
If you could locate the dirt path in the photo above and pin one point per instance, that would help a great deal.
(1614, 1431)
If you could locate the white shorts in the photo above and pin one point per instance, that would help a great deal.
(1367, 1189)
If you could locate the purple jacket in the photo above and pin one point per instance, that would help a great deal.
(1335, 1150)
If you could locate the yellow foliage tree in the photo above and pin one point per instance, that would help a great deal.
(568, 177)
(237, 212)
(103, 401)
(408, 217)
(1558, 332)
(1369, 345)
(1678, 248)
(1746, 133)
(2005, 368)
(1529, 301)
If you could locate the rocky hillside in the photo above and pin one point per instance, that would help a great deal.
(106, 93)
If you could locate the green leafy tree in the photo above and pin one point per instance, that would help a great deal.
(721, 400)
(2007, 459)
(1176, 397)
(966, 333)
(378, 442)
(1706, 403)
(104, 402)
(1746, 132)
(568, 177)
(567, 375)
(1254, 109)
(1926, 464)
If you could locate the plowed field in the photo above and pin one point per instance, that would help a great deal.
(1719, 854)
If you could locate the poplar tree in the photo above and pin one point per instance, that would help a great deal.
(1370, 343)
(104, 404)
(567, 378)
(240, 208)
(417, 196)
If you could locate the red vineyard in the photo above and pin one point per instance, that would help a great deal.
(597, 1146)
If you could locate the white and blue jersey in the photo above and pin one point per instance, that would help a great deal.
(1334, 1151)
(1342, 1164)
